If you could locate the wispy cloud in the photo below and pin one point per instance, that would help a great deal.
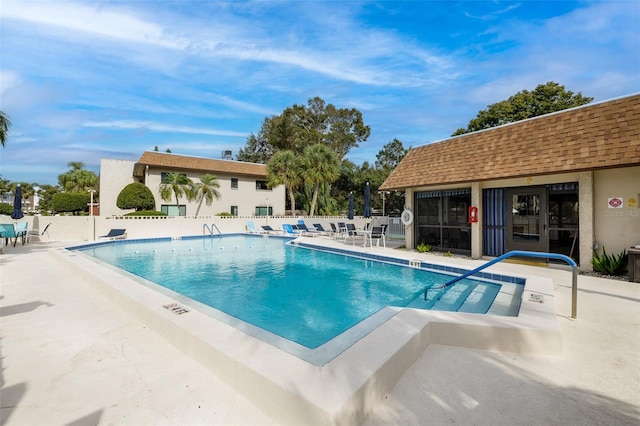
(157, 127)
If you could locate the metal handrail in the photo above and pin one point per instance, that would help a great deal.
(570, 261)
(206, 227)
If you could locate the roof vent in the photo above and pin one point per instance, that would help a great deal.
(226, 155)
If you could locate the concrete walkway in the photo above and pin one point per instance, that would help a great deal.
(69, 356)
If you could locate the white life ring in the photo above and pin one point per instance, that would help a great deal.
(406, 217)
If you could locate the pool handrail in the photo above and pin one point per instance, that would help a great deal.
(522, 253)
(206, 227)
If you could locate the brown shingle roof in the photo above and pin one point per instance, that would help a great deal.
(597, 136)
(182, 162)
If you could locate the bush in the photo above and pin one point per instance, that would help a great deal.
(146, 213)
(224, 214)
(610, 265)
(136, 196)
(6, 208)
(423, 248)
(70, 202)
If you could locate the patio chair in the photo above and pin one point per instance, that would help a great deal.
(377, 233)
(22, 229)
(115, 234)
(352, 233)
(38, 233)
(8, 232)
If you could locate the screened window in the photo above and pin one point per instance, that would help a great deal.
(261, 185)
(234, 183)
(165, 175)
(264, 211)
(173, 210)
(441, 219)
(234, 210)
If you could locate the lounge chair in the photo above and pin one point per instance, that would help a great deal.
(342, 229)
(251, 228)
(115, 234)
(269, 230)
(288, 230)
(306, 231)
(321, 229)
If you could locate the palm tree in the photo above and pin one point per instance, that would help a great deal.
(206, 189)
(284, 168)
(177, 184)
(320, 167)
(5, 123)
(78, 179)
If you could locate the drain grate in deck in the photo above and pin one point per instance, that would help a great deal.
(176, 309)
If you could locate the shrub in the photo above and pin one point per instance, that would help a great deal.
(423, 248)
(6, 208)
(136, 196)
(70, 202)
(224, 214)
(146, 213)
(610, 265)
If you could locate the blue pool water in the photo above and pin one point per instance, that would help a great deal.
(306, 296)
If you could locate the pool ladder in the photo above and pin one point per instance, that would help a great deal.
(535, 254)
(213, 226)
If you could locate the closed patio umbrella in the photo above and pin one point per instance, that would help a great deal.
(367, 201)
(17, 204)
(350, 214)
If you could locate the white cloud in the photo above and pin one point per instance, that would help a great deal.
(156, 127)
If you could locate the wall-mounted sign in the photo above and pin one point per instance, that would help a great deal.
(632, 202)
(616, 203)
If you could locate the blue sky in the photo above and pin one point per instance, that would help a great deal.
(88, 80)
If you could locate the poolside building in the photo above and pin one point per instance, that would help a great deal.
(243, 186)
(566, 182)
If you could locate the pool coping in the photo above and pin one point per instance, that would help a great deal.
(347, 388)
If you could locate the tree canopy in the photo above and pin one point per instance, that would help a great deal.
(544, 99)
(302, 126)
(78, 179)
(136, 196)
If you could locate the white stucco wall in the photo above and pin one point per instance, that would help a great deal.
(617, 228)
(246, 196)
(114, 176)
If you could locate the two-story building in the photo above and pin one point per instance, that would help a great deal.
(243, 186)
(567, 183)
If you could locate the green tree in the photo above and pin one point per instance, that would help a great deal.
(285, 168)
(78, 179)
(544, 99)
(45, 194)
(390, 155)
(136, 196)
(320, 166)
(257, 149)
(177, 184)
(300, 126)
(206, 189)
(74, 202)
(5, 123)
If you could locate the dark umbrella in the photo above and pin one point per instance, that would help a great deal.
(350, 214)
(367, 200)
(17, 205)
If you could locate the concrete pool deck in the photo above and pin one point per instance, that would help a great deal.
(70, 355)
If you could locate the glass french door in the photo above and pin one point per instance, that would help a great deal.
(526, 219)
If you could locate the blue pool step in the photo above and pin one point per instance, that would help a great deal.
(460, 297)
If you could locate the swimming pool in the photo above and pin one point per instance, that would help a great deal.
(303, 295)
